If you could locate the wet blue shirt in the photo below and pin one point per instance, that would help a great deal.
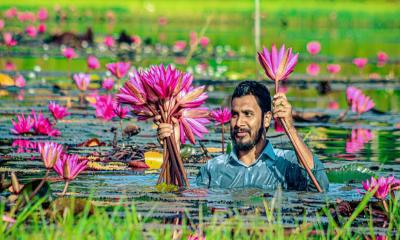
(272, 168)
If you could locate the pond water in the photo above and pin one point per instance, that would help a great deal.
(352, 150)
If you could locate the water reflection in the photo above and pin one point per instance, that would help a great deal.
(358, 138)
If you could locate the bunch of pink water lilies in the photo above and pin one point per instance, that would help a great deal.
(67, 166)
(41, 125)
(382, 187)
(168, 94)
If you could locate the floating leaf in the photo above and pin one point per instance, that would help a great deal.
(6, 80)
(187, 151)
(153, 159)
(107, 167)
(163, 187)
(93, 142)
(138, 164)
(347, 176)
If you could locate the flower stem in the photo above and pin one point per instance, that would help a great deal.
(40, 185)
(222, 138)
(385, 206)
(65, 188)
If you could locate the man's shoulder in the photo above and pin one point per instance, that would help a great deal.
(218, 160)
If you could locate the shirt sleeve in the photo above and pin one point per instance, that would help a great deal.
(298, 179)
(203, 177)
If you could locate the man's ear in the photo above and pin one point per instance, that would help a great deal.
(267, 119)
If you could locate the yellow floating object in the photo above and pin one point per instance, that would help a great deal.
(91, 100)
(153, 159)
(214, 150)
(6, 80)
(4, 93)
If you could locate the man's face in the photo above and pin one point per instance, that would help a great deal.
(247, 125)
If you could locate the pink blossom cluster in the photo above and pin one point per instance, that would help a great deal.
(168, 92)
(383, 186)
(357, 101)
(37, 122)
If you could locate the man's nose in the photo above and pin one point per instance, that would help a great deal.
(239, 121)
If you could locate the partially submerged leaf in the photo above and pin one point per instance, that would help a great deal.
(138, 164)
(163, 187)
(93, 142)
(153, 159)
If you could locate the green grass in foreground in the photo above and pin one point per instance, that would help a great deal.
(101, 223)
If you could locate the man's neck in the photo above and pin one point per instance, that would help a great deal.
(249, 157)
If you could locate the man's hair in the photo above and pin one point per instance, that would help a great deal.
(258, 90)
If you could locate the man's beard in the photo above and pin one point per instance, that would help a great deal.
(249, 145)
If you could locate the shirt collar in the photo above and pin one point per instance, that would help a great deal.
(267, 153)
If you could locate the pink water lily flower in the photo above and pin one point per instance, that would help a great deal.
(42, 14)
(10, 66)
(108, 84)
(20, 81)
(121, 111)
(58, 111)
(42, 28)
(221, 115)
(136, 40)
(82, 81)
(165, 82)
(105, 107)
(384, 185)
(204, 41)
(50, 153)
(333, 68)
(68, 166)
(43, 126)
(313, 47)
(277, 65)
(8, 39)
(362, 104)
(133, 91)
(109, 41)
(31, 31)
(313, 69)
(11, 12)
(352, 94)
(93, 62)
(118, 69)
(360, 62)
(69, 53)
(334, 105)
(382, 58)
(192, 122)
(23, 125)
(179, 46)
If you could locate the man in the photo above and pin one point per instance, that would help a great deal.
(253, 161)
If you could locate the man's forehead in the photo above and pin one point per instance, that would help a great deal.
(247, 102)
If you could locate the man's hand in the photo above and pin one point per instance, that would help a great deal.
(282, 109)
(165, 130)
